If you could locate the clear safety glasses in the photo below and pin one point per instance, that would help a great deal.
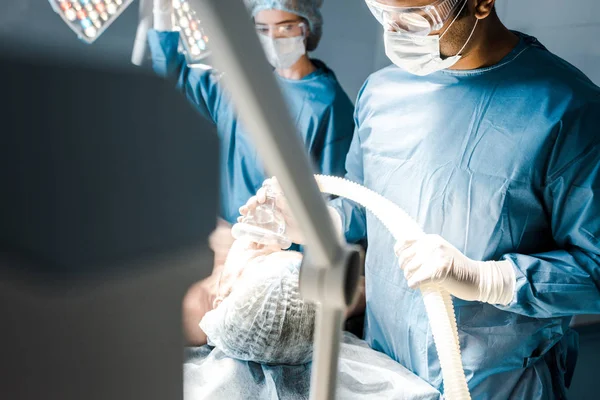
(419, 21)
(283, 30)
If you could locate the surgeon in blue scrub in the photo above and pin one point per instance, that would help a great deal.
(321, 110)
(492, 143)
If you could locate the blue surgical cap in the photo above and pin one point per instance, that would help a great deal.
(307, 9)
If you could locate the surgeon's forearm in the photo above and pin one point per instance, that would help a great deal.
(359, 305)
(352, 219)
(555, 284)
(336, 220)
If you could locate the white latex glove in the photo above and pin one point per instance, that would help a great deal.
(220, 241)
(432, 259)
(292, 230)
(162, 11)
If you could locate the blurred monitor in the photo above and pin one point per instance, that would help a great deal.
(109, 192)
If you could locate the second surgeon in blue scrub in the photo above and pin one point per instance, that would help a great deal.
(318, 105)
(321, 110)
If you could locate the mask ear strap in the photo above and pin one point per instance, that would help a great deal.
(455, 18)
(470, 36)
(306, 35)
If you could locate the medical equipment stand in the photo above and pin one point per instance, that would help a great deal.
(331, 268)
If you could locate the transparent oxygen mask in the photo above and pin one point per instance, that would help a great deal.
(263, 225)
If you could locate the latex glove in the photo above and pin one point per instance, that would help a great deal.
(220, 241)
(292, 230)
(162, 10)
(241, 255)
(432, 259)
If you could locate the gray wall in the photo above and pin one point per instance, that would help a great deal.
(350, 42)
(568, 28)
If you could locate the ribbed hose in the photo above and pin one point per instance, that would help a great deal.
(438, 303)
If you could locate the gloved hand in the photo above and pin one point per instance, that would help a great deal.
(431, 259)
(162, 10)
(220, 241)
(292, 230)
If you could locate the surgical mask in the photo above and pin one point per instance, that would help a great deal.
(420, 55)
(282, 53)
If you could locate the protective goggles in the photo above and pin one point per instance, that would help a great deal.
(283, 30)
(419, 21)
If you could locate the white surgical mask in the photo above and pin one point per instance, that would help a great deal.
(420, 55)
(282, 53)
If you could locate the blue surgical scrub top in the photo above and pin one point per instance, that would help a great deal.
(504, 163)
(319, 107)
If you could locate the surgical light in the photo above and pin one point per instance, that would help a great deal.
(89, 18)
(193, 39)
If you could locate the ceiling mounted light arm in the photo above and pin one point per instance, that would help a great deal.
(236, 51)
(140, 44)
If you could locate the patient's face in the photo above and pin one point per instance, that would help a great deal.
(248, 262)
(261, 264)
(262, 317)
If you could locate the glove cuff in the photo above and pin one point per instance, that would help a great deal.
(497, 282)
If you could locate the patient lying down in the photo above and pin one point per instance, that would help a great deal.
(259, 314)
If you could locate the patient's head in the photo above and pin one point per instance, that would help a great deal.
(264, 319)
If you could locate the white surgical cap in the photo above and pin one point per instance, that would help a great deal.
(307, 9)
(264, 319)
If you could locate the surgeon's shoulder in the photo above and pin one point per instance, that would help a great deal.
(326, 90)
(378, 81)
(566, 80)
(570, 96)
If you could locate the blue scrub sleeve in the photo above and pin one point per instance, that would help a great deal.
(567, 282)
(338, 126)
(199, 86)
(354, 220)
